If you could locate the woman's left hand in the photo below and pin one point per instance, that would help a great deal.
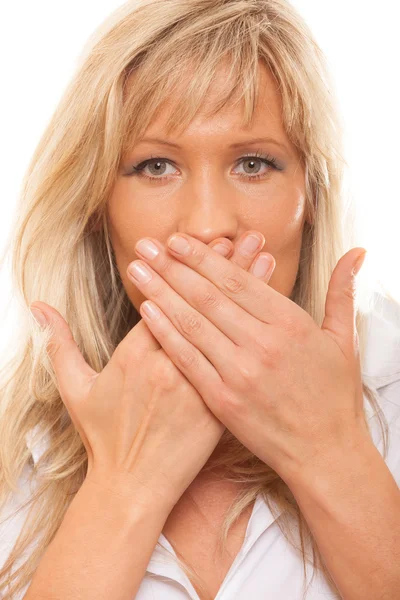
(288, 390)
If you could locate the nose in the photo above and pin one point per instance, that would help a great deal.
(209, 214)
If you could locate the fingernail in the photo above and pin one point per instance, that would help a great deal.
(39, 317)
(151, 311)
(221, 249)
(179, 244)
(250, 245)
(147, 249)
(359, 263)
(262, 266)
(139, 272)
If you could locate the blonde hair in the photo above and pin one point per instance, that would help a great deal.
(59, 258)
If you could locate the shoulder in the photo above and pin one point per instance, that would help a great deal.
(12, 518)
(381, 363)
(381, 371)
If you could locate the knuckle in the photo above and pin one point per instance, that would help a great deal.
(223, 395)
(186, 358)
(190, 322)
(53, 347)
(207, 298)
(350, 292)
(157, 291)
(263, 350)
(269, 353)
(344, 295)
(198, 256)
(247, 371)
(164, 265)
(164, 374)
(298, 328)
(234, 284)
(227, 401)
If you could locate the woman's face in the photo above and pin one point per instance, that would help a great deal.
(206, 187)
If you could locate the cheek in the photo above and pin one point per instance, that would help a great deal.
(284, 243)
(126, 226)
(133, 216)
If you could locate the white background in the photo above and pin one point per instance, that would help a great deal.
(41, 40)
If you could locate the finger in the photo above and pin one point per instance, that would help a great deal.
(237, 256)
(200, 294)
(259, 300)
(189, 322)
(72, 371)
(223, 246)
(135, 346)
(74, 376)
(186, 357)
(250, 263)
(247, 248)
(263, 266)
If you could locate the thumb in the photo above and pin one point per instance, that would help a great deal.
(74, 376)
(340, 317)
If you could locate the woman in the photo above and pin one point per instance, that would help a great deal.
(175, 458)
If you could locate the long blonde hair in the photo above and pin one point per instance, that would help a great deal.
(58, 257)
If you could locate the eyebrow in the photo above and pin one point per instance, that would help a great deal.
(235, 145)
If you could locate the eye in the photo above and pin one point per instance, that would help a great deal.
(251, 162)
(158, 169)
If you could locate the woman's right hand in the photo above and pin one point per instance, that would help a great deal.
(146, 429)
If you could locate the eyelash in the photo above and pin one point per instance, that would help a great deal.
(137, 170)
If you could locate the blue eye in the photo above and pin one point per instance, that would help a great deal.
(258, 157)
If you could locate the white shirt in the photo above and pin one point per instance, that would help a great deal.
(267, 566)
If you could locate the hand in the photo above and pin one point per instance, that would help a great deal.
(146, 430)
(289, 390)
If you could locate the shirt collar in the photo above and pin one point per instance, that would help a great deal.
(161, 562)
(381, 364)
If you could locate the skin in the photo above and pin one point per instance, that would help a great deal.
(205, 197)
(222, 203)
(195, 200)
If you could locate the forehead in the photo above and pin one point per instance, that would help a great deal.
(267, 115)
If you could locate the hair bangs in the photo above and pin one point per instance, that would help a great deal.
(153, 85)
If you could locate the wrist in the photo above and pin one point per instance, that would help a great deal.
(124, 493)
(321, 471)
